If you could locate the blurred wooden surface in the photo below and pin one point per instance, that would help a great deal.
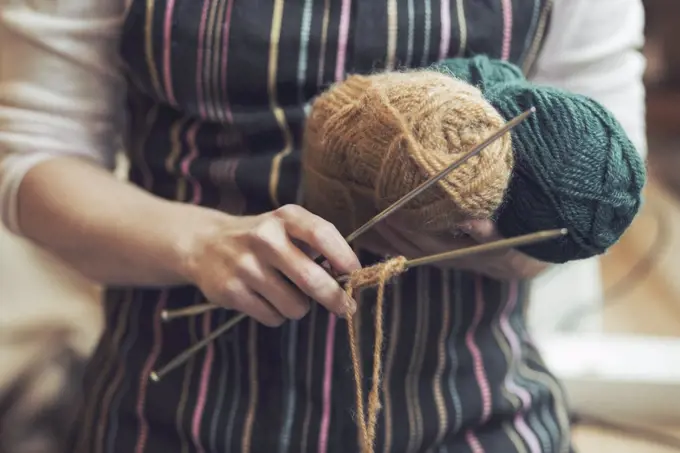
(595, 440)
(651, 305)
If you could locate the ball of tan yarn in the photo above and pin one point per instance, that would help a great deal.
(370, 140)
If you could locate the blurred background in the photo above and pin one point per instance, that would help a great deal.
(642, 273)
(641, 281)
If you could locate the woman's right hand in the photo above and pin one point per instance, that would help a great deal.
(240, 263)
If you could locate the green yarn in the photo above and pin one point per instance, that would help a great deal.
(575, 167)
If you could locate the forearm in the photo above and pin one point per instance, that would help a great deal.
(111, 231)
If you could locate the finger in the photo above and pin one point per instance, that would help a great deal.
(313, 280)
(482, 231)
(286, 299)
(271, 242)
(241, 298)
(320, 235)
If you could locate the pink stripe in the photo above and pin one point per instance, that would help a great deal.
(473, 442)
(507, 28)
(480, 373)
(445, 25)
(203, 387)
(146, 372)
(225, 59)
(167, 45)
(199, 60)
(332, 320)
(327, 386)
(342, 40)
(186, 162)
(520, 424)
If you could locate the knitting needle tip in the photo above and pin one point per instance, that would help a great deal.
(154, 377)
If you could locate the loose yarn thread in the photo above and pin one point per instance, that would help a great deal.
(367, 414)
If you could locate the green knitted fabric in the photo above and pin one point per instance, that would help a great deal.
(575, 167)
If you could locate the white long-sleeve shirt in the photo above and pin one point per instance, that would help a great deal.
(61, 92)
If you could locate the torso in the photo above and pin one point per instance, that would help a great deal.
(219, 94)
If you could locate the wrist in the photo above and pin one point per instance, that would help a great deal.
(197, 227)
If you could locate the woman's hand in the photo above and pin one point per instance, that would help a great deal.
(240, 263)
(504, 264)
(117, 234)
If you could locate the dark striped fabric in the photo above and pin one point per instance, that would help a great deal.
(219, 91)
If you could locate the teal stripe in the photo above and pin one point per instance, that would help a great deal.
(291, 331)
(531, 34)
(453, 357)
(305, 29)
(235, 396)
(223, 371)
(425, 60)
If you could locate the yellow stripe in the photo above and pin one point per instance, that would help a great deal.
(122, 323)
(507, 354)
(538, 38)
(514, 438)
(437, 384)
(213, 52)
(103, 377)
(280, 116)
(186, 385)
(462, 26)
(217, 59)
(148, 47)
(175, 145)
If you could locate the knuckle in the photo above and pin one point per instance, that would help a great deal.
(244, 264)
(233, 290)
(322, 230)
(313, 281)
(288, 211)
(266, 231)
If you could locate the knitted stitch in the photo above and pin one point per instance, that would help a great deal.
(575, 167)
(371, 140)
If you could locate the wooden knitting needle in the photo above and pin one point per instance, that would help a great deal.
(518, 241)
(168, 315)
(439, 176)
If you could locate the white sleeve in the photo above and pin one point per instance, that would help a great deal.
(593, 48)
(61, 91)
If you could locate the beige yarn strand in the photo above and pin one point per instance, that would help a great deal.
(367, 418)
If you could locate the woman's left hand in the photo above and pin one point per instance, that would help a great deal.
(504, 264)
